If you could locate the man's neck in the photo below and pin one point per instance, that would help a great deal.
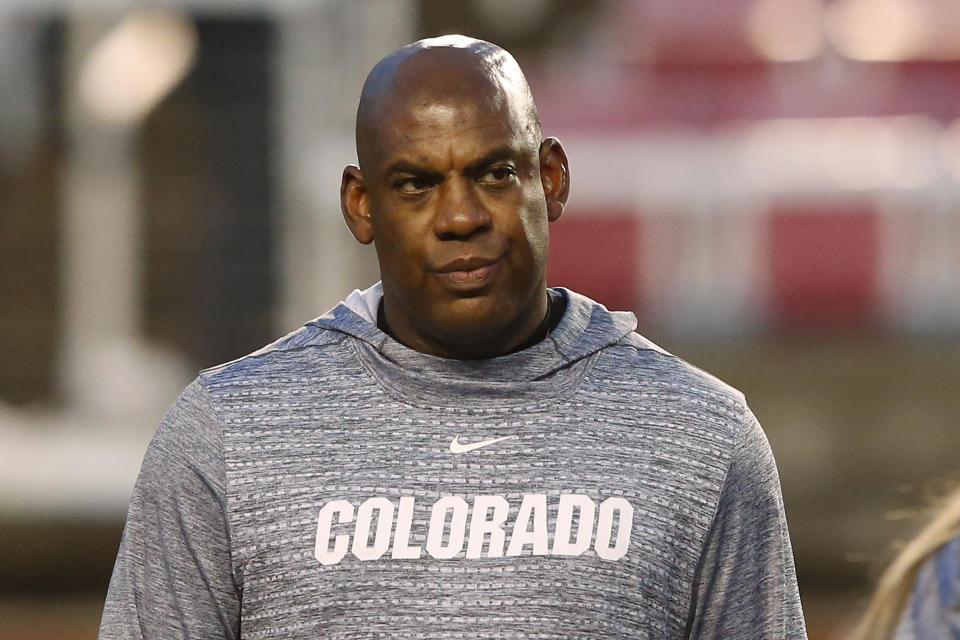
(556, 306)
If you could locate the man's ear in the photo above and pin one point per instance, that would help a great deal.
(555, 177)
(355, 204)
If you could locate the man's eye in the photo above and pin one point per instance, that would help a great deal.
(411, 185)
(499, 176)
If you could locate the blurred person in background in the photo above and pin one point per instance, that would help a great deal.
(918, 596)
(323, 484)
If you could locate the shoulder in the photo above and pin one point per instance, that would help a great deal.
(192, 432)
(286, 356)
(679, 407)
(636, 365)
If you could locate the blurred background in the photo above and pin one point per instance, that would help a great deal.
(773, 186)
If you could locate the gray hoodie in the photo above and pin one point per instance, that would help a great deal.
(338, 484)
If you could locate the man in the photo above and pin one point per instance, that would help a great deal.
(458, 451)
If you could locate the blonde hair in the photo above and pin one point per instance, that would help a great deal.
(883, 613)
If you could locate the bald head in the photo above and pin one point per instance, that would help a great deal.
(437, 71)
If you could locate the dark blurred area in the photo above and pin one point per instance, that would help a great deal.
(773, 186)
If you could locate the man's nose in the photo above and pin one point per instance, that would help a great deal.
(461, 213)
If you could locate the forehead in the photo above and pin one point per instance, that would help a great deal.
(444, 97)
(434, 129)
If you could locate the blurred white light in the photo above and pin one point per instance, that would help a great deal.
(852, 152)
(786, 30)
(841, 153)
(941, 42)
(878, 30)
(137, 64)
(917, 141)
(950, 149)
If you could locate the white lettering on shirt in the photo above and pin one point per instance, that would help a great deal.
(579, 526)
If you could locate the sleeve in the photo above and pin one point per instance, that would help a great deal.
(746, 583)
(933, 608)
(173, 577)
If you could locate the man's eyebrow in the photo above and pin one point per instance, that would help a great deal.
(477, 166)
(500, 153)
(404, 166)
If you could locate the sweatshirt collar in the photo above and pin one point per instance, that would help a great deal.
(585, 328)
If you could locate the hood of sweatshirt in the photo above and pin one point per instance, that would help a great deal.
(585, 328)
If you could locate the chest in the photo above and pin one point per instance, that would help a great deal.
(419, 516)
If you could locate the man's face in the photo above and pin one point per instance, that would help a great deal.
(459, 218)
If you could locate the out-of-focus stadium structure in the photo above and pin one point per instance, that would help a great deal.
(772, 185)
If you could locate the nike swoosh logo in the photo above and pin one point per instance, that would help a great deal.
(457, 447)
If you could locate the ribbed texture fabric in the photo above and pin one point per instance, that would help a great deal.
(311, 490)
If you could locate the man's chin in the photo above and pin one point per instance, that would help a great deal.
(472, 322)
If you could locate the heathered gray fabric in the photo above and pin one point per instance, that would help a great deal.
(266, 465)
(933, 610)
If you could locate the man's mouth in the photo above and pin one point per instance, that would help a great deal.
(469, 271)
